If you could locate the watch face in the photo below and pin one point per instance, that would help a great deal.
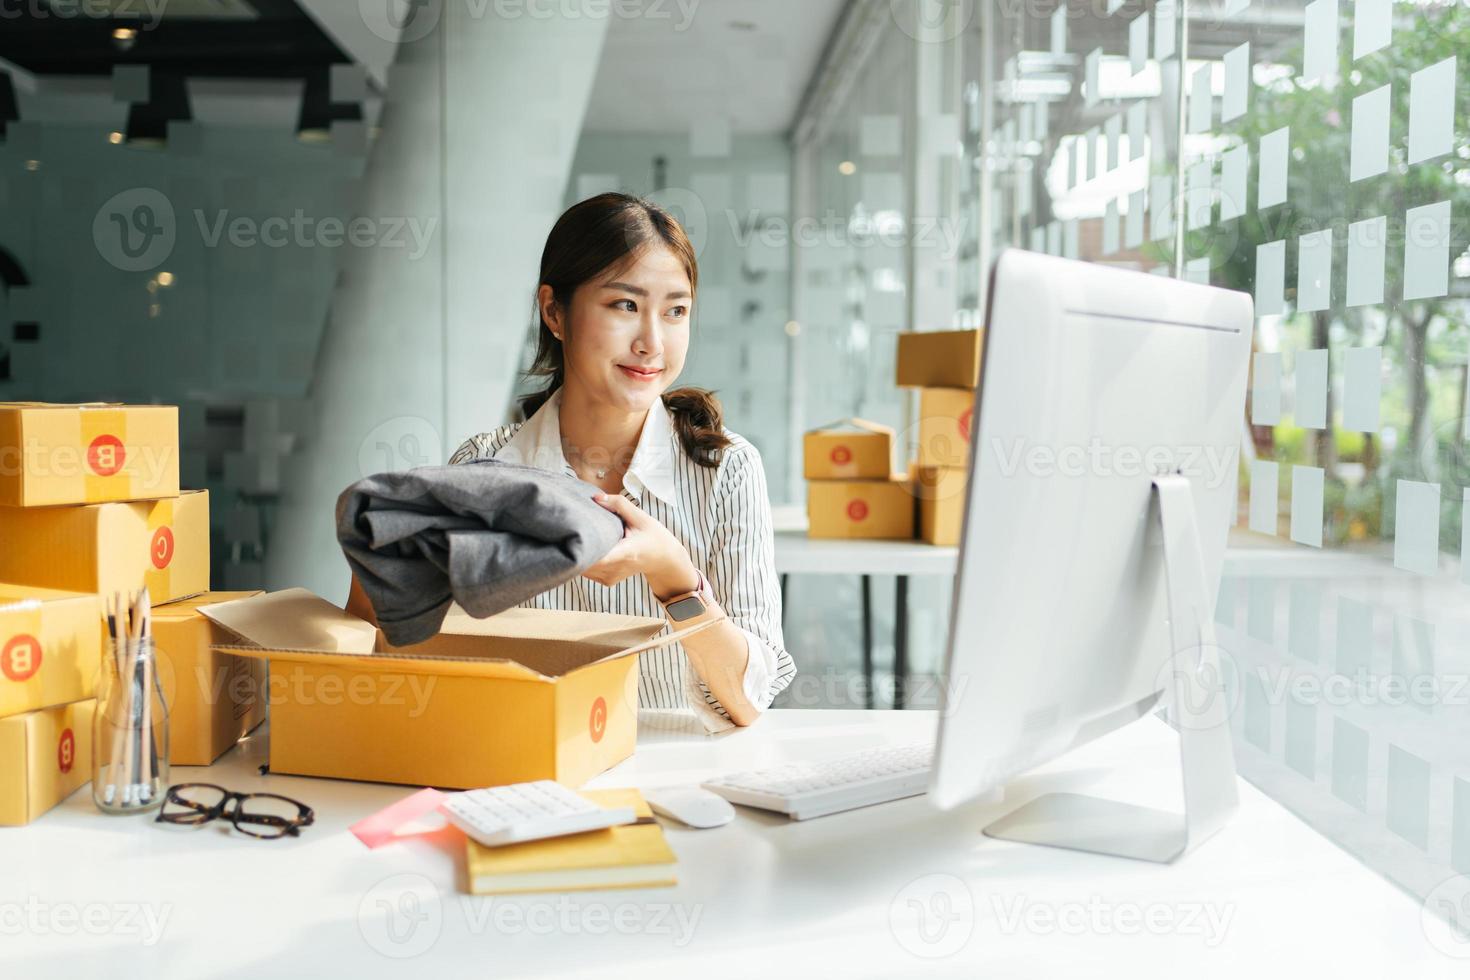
(685, 608)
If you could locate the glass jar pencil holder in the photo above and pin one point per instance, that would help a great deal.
(130, 771)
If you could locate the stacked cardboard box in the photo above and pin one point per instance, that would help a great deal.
(90, 505)
(852, 491)
(945, 367)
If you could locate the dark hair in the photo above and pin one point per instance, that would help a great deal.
(590, 238)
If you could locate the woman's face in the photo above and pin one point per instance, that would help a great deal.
(629, 331)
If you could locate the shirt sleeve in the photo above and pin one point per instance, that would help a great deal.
(742, 576)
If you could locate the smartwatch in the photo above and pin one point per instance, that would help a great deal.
(689, 605)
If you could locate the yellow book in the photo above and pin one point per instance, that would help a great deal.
(634, 855)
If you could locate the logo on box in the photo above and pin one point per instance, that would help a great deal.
(966, 417)
(163, 547)
(857, 510)
(841, 455)
(597, 723)
(106, 455)
(66, 751)
(21, 657)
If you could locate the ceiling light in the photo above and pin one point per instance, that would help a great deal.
(847, 168)
(114, 137)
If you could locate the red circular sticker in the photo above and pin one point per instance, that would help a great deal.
(106, 455)
(857, 510)
(162, 548)
(841, 455)
(597, 723)
(66, 751)
(21, 657)
(965, 418)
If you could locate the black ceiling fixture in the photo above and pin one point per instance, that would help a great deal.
(168, 101)
(318, 111)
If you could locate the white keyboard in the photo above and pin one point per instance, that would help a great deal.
(815, 789)
(527, 811)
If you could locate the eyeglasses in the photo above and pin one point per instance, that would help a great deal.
(263, 815)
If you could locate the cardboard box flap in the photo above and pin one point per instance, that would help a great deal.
(854, 423)
(66, 405)
(293, 619)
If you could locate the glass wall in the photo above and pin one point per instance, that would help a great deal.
(1314, 155)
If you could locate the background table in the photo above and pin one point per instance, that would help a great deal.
(886, 891)
(797, 554)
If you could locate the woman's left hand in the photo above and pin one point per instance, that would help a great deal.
(647, 547)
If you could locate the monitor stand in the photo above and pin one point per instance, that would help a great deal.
(1199, 711)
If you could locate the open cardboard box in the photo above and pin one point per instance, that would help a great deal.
(526, 694)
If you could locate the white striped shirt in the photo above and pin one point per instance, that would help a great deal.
(722, 516)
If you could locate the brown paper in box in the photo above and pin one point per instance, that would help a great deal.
(115, 547)
(51, 646)
(45, 756)
(850, 449)
(527, 694)
(78, 454)
(213, 698)
(939, 358)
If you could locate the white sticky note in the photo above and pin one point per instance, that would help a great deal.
(1161, 207)
(1427, 251)
(1198, 270)
(1432, 111)
(1092, 65)
(1362, 387)
(1416, 527)
(1137, 124)
(1201, 100)
(1270, 277)
(1113, 134)
(1199, 194)
(1314, 271)
(1372, 26)
(1237, 82)
(1235, 165)
(1070, 239)
(1311, 389)
(1133, 224)
(1368, 154)
(1264, 478)
(1059, 31)
(1319, 56)
(1110, 228)
(1465, 538)
(1306, 505)
(1275, 152)
(1266, 389)
(1366, 257)
(1165, 14)
(1138, 44)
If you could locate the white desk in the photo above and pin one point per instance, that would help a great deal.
(762, 896)
(797, 554)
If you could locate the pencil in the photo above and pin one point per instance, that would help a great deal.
(114, 708)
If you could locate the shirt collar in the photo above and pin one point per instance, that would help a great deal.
(538, 443)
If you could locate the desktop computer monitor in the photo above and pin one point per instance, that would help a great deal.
(1109, 418)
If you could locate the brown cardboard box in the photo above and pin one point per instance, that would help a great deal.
(45, 756)
(941, 493)
(81, 454)
(860, 509)
(213, 698)
(51, 646)
(939, 358)
(527, 694)
(945, 416)
(852, 449)
(114, 547)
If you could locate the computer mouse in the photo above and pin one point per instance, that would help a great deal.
(698, 808)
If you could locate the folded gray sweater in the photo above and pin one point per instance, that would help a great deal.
(488, 534)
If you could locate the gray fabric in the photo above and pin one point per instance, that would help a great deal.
(488, 535)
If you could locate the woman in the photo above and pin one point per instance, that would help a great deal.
(618, 279)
